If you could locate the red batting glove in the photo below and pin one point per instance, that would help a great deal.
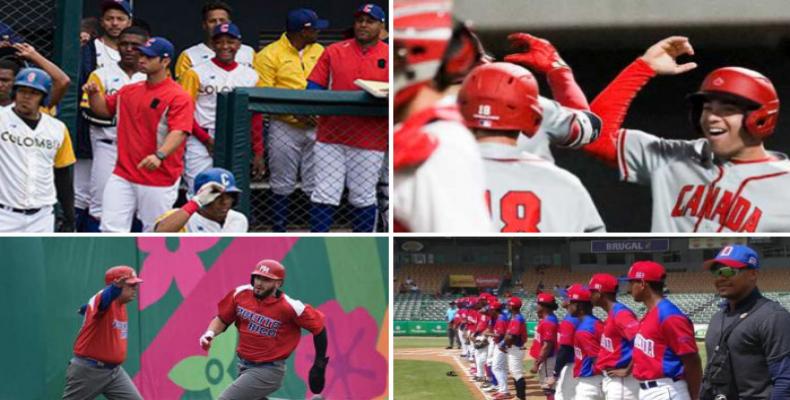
(537, 54)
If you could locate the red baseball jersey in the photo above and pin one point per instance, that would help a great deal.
(500, 327)
(269, 329)
(586, 346)
(517, 327)
(664, 334)
(482, 323)
(471, 318)
(103, 335)
(566, 330)
(461, 315)
(546, 331)
(339, 66)
(145, 114)
(617, 340)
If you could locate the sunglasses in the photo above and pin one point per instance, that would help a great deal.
(726, 272)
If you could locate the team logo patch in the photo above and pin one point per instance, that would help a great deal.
(149, 42)
(718, 82)
(223, 28)
(368, 8)
(31, 77)
(263, 269)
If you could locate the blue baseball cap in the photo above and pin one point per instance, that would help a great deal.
(157, 47)
(735, 256)
(7, 33)
(304, 18)
(229, 29)
(373, 11)
(122, 5)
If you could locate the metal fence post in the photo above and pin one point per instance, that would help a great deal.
(67, 45)
(232, 145)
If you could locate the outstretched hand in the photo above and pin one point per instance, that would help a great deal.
(662, 56)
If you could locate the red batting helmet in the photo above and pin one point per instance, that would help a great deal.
(269, 269)
(744, 86)
(429, 46)
(122, 272)
(501, 96)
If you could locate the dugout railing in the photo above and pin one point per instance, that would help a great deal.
(233, 147)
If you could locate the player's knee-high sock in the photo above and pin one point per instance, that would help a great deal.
(279, 212)
(491, 375)
(92, 225)
(321, 217)
(521, 388)
(364, 219)
(81, 219)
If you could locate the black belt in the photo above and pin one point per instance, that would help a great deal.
(95, 363)
(28, 211)
(255, 364)
(652, 384)
(107, 141)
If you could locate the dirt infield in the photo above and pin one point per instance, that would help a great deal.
(461, 368)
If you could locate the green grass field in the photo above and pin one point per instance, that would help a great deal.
(427, 380)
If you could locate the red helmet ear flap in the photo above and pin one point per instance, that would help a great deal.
(762, 121)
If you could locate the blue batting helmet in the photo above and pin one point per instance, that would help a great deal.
(219, 175)
(35, 78)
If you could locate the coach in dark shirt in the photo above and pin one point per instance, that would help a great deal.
(760, 344)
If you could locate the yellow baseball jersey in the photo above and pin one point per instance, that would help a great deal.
(27, 157)
(110, 79)
(201, 53)
(281, 65)
(235, 222)
(206, 80)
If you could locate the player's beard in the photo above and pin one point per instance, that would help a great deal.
(264, 294)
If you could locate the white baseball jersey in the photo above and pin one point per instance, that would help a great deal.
(446, 193)
(27, 157)
(529, 194)
(206, 80)
(694, 192)
(235, 222)
(200, 54)
(105, 55)
(110, 79)
(555, 126)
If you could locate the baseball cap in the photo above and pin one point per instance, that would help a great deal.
(735, 256)
(604, 283)
(7, 33)
(373, 11)
(229, 29)
(304, 18)
(122, 5)
(121, 272)
(546, 298)
(157, 47)
(514, 302)
(577, 292)
(650, 271)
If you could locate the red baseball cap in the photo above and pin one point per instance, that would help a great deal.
(495, 305)
(546, 298)
(577, 292)
(514, 302)
(604, 283)
(650, 271)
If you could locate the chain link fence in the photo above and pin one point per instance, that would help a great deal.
(324, 156)
(332, 160)
(28, 21)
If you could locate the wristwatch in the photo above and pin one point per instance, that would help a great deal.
(160, 155)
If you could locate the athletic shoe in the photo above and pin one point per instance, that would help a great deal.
(485, 385)
(503, 396)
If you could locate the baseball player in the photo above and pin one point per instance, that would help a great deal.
(617, 340)
(494, 310)
(8, 70)
(153, 119)
(499, 358)
(438, 170)
(562, 378)
(349, 150)
(116, 15)
(15, 55)
(544, 345)
(480, 340)
(31, 144)
(586, 344)
(666, 360)
(203, 83)
(472, 316)
(270, 325)
(209, 210)
(525, 193)
(214, 13)
(515, 340)
(460, 323)
(104, 132)
(723, 182)
(286, 63)
(100, 347)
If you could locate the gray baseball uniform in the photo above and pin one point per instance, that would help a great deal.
(85, 380)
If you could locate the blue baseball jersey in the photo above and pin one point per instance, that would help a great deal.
(586, 346)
